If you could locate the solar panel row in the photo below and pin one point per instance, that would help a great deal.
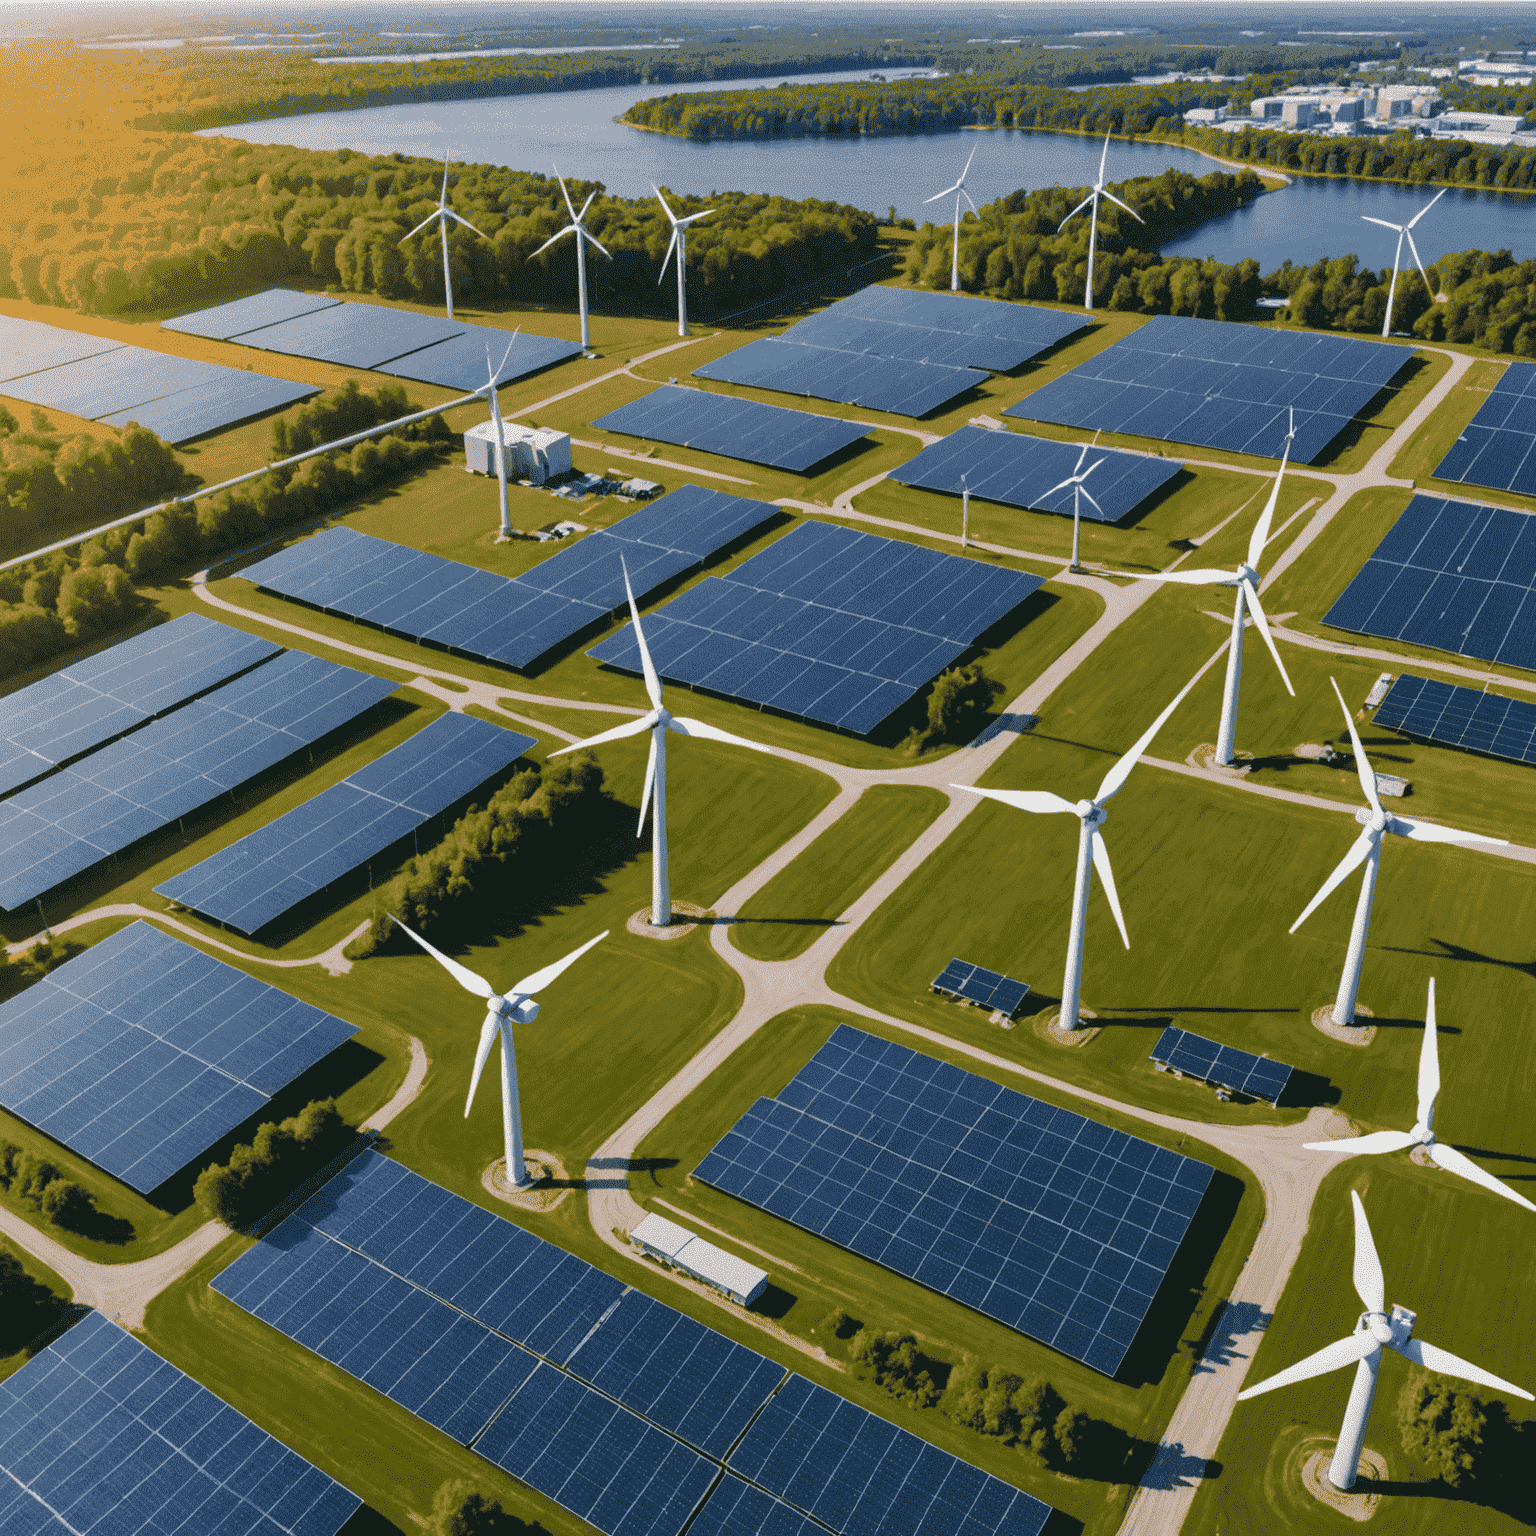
(1452, 575)
(1022, 471)
(108, 800)
(990, 989)
(143, 1052)
(1461, 717)
(270, 871)
(1241, 1071)
(827, 624)
(98, 1433)
(736, 428)
(509, 620)
(1496, 449)
(1046, 1221)
(27, 346)
(93, 701)
(1221, 386)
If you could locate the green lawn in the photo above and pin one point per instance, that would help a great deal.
(791, 912)
(1367, 434)
(32, 1312)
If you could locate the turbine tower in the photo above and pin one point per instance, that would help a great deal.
(959, 190)
(1246, 579)
(658, 723)
(679, 243)
(1375, 1329)
(1366, 850)
(501, 443)
(1079, 490)
(583, 239)
(442, 213)
(1423, 1132)
(1091, 852)
(1097, 191)
(1405, 232)
(503, 1010)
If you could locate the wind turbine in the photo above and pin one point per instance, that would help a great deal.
(1423, 1132)
(442, 213)
(1366, 849)
(583, 239)
(658, 723)
(1091, 852)
(503, 1010)
(501, 442)
(1097, 191)
(1405, 232)
(679, 243)
(1246, 579)
(959, 190)
(1375, 1328)
(1079, 490)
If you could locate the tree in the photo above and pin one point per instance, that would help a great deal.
(460, 1509)
(959, 698)
(1442, 1426)
(66, 1204)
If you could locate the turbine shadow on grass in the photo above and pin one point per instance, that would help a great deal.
(1446, 950)
(1500, 1479)
(793, 922)
(618, 1170)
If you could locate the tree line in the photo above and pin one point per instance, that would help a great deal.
(263, 1172)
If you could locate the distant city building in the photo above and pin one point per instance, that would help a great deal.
(1206, 115)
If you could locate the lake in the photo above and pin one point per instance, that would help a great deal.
(1313, 217)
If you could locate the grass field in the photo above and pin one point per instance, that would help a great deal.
(33, 1312)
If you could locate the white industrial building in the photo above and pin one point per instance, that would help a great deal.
(677, 1246)
(534, 454)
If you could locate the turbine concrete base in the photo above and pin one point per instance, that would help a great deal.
(1420, 1155)
(1048, 1027)
(1204, 756)
(640, 923)
(548, 1188)
(1345, 1034)
(1361, 1501)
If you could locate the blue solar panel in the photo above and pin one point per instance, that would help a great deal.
(827, 624)
(1195, 381)
(232, 397)
(1042, 1219)
(1498, 447)
(28, 345)
(976, 984)
(142, 1052)
(735, 1508)
(736, 428)
(1241, 1071)
(1021, 471)
(95, 700)
(99, 1434)
(460, 362)
(114, 381)
(256, 880)
(354, 335)
(1470, 718)
(108, 800)
(248, 314)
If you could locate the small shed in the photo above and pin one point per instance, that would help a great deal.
(535, 454)
(677, 1246)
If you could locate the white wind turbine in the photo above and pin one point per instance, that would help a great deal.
(679, 243)
(583, 239)
(658, 723)
(1366, 849)
(959, 190)
(1079, 490)
(1423, 1132)
(442, 213)
(503, 1010)
(1091, 852)
(1405, 232)
(501, 443)
(1246, 579)
(1093, 197)
(1376, 1328)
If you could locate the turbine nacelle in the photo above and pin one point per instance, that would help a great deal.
(515, 1009)
(1093, 814)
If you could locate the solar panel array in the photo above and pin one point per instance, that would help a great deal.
(178, 398)
(1049, 1222)
(976, 984)
(736, 428)
(1461, 717)
(1241, 1071)
(108, 800)
(98, 1433)
(1221, 386)
(618, 1407)
(827, 624)
(143, 1052)
(1496, 448)
(1452, 575)
(1022, 471)
(96, 700)
(510, 620)
(268, 872)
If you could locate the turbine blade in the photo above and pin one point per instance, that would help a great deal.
(693, 218)
(967, 171)
(578, 217)
(465, 977)
(664, 203)
(1458, 1162)
(1070, 216)
(945, 193)
(618, 733)
(650, 779)
(1377, 1141)
(1418, 263)
(1117, 775)
(1041, 801)
(566, 195)
(421, 226)
(1370, 1284)
(1088, 497)
(1432, 832)
(967, 196)
(1251, 595)
(465, 222)
(541, 979)
(592, 239)
(671, 246)
(1260, 535)
(488, 1033)
(1116, 201)
(1427, 206)
(688, 727)
(1442, 1360)
(1104, 158)
(652, 682)
(1107, 880)
(1066, 485)
(1359, 851)
(1429, 1062)
(1331, 1357)
(1205, 578)
(1363, 767)
(1384, 224)
(570, 229)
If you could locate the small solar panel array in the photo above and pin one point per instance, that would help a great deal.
(1241, 1071)
(1497, 449)
(1454, 716)
(1452, 575)
(976, 984)
(1221, 386)
(178, 398)
(512, 620)
(623, 1410)
(1049, 1222)
(826, 624)
(99, 1434)
(143, 1052)
(736, 428)
(1022, 471)
(268, 872)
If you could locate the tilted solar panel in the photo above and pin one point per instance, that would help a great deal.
(466, 360)
(224, 321)
(1040, 1218)
(113, 381)
(268, 872)
(990, 989)
(98, 1433)
(1498, 447)
(1470, 718)
(143, 1052)
(736, 1508)
(354, 335)
(1241, 1071)
(26, 346)
(736, 428)
(233, 397)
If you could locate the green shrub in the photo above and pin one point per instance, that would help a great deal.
(897, 1364)
(67, 1204)
(262, 1173)
(460, 1509)
(1442, 1426)
(1025, 1412)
